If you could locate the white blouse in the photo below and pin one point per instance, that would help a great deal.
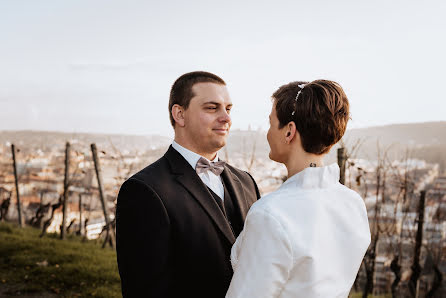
(307, 239)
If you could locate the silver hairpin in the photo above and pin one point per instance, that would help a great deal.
(301, 86)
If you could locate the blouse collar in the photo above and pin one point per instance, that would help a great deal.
(317, 177)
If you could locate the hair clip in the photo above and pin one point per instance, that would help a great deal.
(301, 86)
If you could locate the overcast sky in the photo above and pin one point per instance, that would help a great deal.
(107, 66)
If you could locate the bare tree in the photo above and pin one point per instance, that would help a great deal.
(68, 181)
(350, 152)
(19, 207)
(4, 206)
(250, 159)
(120, 164)
(47, 222)
(416, 267)
(70, 225)
(404, 182)
(370, 257)
(37, 220)
(65, 190)
(18, 177)
(97, 166)
(80, 231)
(436, 252)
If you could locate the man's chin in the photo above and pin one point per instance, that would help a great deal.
(218, 144)
(221, 145)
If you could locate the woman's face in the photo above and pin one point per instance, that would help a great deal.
(276, 138)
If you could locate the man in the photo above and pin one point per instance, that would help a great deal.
(178, 218)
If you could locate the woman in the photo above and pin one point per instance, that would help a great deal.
(308, 238)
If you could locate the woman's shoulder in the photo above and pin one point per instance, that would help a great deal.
(267, 203)
(350, 197)
(267, 217)
(284, 197)
(275, 206)
(292, 206)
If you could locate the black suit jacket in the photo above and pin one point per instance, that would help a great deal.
(172, 238)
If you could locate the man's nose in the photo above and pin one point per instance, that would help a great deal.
(225, 117)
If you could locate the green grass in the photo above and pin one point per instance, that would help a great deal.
(75, 268)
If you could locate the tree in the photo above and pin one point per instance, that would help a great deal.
(370, 256)
(4, 206)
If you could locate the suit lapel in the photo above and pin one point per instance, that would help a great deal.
(234, 187)
(193, 184)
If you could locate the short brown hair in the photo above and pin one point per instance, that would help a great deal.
(320, 113)
(181, 91)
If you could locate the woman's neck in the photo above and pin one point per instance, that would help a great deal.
(302, 160)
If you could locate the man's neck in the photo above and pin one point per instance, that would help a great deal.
(210, 156)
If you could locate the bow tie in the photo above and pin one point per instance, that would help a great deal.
(204, 165)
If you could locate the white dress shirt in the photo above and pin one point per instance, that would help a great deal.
(210, 179)
(307, 239)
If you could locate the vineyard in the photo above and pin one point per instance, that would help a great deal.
(69, 193)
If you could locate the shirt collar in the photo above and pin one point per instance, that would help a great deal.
(317, 177)
(190, 156)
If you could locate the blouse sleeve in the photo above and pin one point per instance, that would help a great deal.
(264, 259)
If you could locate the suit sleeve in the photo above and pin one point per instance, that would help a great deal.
(264, 258)
(142, 241)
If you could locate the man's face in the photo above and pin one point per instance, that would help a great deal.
(207, 120)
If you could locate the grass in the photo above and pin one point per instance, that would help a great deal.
(74, 268)
(49, 266)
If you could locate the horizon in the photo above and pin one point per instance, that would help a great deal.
(232, 129)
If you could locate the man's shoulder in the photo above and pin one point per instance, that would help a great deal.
(153, 172)
(243, 176)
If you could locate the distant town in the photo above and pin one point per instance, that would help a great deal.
(393, 185)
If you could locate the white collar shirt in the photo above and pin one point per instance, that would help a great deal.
(210, 179)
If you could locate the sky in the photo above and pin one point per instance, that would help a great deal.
(107, 66)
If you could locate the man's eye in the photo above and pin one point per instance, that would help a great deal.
(211, 108)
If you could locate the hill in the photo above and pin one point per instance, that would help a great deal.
(425, 141)
(49, 267)
(422, 140)
(48, 140)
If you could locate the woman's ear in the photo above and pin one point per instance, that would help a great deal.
(290, 132)
(178, 114)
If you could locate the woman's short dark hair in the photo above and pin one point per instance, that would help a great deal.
(320, 113)
(181, 91)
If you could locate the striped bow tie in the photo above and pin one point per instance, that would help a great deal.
(204, 165)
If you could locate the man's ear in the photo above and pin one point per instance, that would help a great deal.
(178, 114)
